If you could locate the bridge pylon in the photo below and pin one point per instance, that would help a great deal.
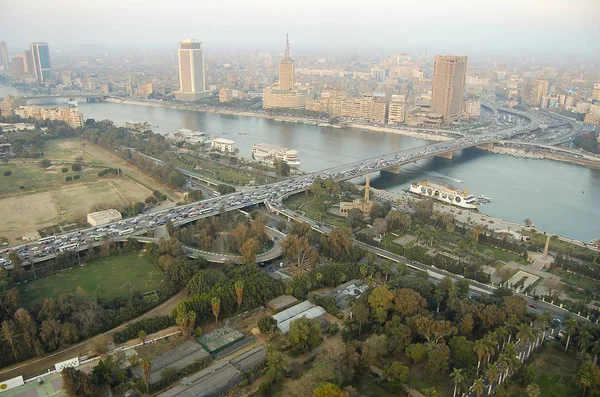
(447, 156)
(394, 170)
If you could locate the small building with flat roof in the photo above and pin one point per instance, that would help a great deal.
(280, 303)
(219, 339)
(223, 145)
(301, 310)
(103, 217)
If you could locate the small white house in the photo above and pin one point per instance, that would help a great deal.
(223, 145)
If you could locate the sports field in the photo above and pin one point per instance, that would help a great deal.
(106, 278)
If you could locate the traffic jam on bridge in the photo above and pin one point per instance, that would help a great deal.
(274, 194)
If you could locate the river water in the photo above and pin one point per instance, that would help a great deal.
(560, 198)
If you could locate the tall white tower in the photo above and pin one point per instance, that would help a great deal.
(192, 79)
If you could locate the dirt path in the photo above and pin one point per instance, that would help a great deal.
(39, 365)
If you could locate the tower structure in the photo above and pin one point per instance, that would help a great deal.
(449, 76)
(286, 69)
(192, 77)
(40, 53)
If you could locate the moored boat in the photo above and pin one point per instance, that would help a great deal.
(446, 194)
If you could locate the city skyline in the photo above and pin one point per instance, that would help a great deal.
(508, 27)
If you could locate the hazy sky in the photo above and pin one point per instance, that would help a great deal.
(571, 27)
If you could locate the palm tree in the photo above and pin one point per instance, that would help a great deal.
(147, 370)
(504, 365)
(458, 379)
(525, 335)
(479, 387)
(492, 342)
(502, 332)
(477, 231)
(587, 380)
(492, 375)
(584, 340)
(596, 350)
(481, 349)
(142, 336)
(438, 296)
(533, 390)
(571, 326)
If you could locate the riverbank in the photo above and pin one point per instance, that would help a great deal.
(543, 154)
(474, 217)
(428, 134)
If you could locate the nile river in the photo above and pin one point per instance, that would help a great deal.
(558, 197)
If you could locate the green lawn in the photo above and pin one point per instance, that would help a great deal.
(32, 176)
(313, 208)
(556, 374)
(101, 278)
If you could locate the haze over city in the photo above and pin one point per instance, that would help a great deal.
(299, 199)
(507, 28)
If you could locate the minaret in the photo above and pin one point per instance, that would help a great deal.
(546, 247)
(367, 187)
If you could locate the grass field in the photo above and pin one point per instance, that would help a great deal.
(48, 199)
(101, 278)
(33, 177)
(307, 203)
(556, 374)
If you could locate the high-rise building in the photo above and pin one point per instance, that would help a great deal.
(41, 61)
(397, 109)
(596, 92)
(18, 66)
(534, 92)
(3, 56)
(473, 106)
(449, 75)
(29, 69)
(192, 78)
(286, 69)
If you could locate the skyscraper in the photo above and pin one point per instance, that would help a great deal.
(191, 71)
(29, 69)
(41, 61)
(449, 75)
(286, 69)
(3, 56)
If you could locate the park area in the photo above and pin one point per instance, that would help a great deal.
(555, 374)
(39, 197)
(104, 278)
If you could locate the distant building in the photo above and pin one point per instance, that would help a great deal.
(223, 145)
(14, 127)
(472, 107)
(593, 115)
(9, 104)
(366, 108)
(192, 77)
(72, 116)
(397, 110)
(103, 217)
(304, 309)
(449, 75)
(138, 128)
(596, 92)
(378, 74)
(18, 67)
(29, 68)
(41, 61)
(535, 91)
(286, 69)
(225, 95)
(4, 65)
(285, 94)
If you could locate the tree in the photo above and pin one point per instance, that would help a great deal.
(479, 387)
(28, 329)
(571, 326)
(528, 222)
(458, 378)
(45, 163)
(533, 390)
(50, 334)
(76, 167)
(142, 336)
(354, 218)
(77, 383)
(108, 372)
(216, 308)
(416, 352)
(438, 360)
(147, 371)
(296, 248)
(8, 332)
(267, 325)
(380, 301)
(277, 365)
(304, 334)
(7, 173)
(360, 313)
(477, 231)
(185, 321)
(481, 349)
(239, 292)
(492, 375)
(281, 168)
(250, 250)
(408, 302)
(329, 390)
(396, 375)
